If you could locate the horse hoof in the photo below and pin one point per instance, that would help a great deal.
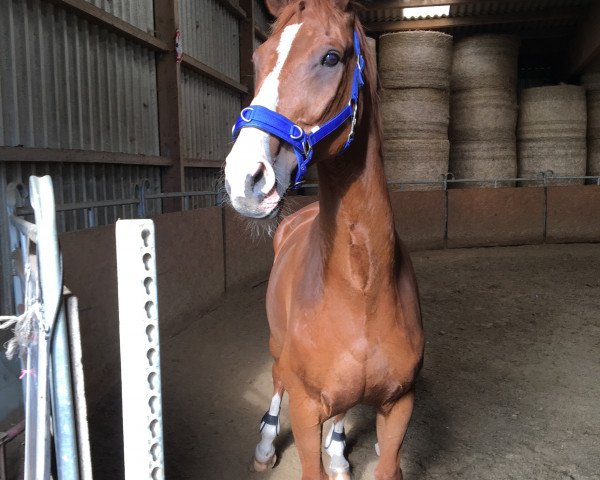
(345, 475)
(261, 467)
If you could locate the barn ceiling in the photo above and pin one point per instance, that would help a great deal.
(542, 24)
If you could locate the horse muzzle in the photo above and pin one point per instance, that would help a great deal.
(252, 188)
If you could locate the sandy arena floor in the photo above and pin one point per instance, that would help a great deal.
(510, 388)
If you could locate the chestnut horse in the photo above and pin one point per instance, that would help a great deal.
(342, 300)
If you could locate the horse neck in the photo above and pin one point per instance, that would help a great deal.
(356, 225)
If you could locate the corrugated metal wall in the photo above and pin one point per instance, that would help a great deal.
(139, 13)
(209, 113)
(211, 34)
(65, 83)
(84, 182)
(203, 179)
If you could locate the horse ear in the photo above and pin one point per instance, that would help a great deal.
(276, 6)
(341, 4)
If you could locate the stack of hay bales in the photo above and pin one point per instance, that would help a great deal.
(552, 132)
(591, 81)
(483, 108)
(414, 74)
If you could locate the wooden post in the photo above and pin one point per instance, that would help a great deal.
(168, 83)
(246, 49)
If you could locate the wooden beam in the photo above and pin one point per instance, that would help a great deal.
(232, 8)
(247, 32)
(198, 66)
(104, 19)
(451, 22)
(586, 47)
(382, 4)
(170, 117)
(545, 33)
(202, 163)
(24, 154)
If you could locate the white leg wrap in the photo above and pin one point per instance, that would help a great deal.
(335, 444)
(265, 450)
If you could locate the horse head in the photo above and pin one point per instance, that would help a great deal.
(308, 74)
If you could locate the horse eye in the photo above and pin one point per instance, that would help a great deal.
(331, 59)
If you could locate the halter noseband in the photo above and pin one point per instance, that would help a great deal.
(283, 128)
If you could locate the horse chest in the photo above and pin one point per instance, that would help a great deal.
(347, 368)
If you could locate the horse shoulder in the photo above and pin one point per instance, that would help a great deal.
(292, 223)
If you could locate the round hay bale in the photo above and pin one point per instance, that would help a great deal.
(485, 61)
(593, 157)
(415, 113)
(416, 160)
(593, 114)
(557, 112)
(591, 80)
(483, 114)
(551, 132)
(566, 158)
(417, 59)
(483, 160)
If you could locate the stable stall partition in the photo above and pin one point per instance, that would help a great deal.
(203, 253)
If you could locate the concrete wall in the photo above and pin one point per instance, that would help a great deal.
(573, 214)
(420, 218)
(498, 216)
(190, 271)
(202, 253)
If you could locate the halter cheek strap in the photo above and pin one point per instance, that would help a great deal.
(287, 131)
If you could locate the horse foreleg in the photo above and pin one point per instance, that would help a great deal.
(391, 428)
(264, 453)
(307, 429)
(335, 444)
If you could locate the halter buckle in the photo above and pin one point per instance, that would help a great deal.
(307, 147)
(353, 124)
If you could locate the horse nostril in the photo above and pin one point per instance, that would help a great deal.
(259, 175)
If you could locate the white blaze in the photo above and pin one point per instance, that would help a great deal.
(253, 143)
(268, 96)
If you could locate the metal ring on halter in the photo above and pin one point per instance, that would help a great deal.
(300, 134)
(248, 109)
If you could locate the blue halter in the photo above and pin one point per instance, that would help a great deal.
(283, 128)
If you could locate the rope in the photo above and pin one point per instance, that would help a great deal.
(24, 327)
(26, 323)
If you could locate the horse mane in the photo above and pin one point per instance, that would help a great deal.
(370, 72)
